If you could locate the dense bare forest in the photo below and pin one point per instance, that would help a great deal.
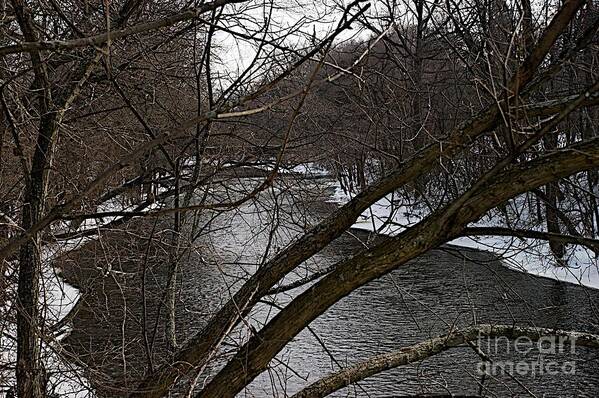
(310, 198)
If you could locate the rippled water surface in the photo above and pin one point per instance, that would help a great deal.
(449, 286)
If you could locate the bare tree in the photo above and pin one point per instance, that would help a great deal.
(126, 129)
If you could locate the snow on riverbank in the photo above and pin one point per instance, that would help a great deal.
(534, 257)
(529, 256)
(58, 299)
(387, 216)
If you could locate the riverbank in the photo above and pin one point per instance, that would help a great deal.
(530, 256)
(448, 286)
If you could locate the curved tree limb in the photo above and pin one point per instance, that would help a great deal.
(591, 243)
(433, 231)
(196, 349)
(426, 349)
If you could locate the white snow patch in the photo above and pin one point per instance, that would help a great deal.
(386, 216)
(528, 256)
(307, 169)
(58, 298)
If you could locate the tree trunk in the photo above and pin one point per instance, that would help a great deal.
(30, 373)
(171, 288)
(551, 219)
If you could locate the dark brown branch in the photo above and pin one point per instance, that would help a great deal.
(300, 282)
(591, 243)
(551, 107)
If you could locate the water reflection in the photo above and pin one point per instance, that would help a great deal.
(446, 287)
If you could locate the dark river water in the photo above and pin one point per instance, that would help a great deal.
(446, 287)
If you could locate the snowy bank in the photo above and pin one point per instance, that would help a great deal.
(387, 217)
(58, 299)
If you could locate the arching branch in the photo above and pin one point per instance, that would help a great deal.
(436, 229)
(426, 349)
(591, 243)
